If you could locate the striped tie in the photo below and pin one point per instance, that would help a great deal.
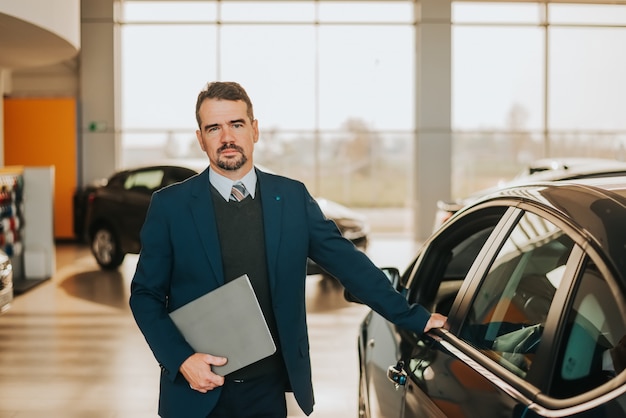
(238, 192)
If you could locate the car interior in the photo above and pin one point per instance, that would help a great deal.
(508, 313)
(593, 343)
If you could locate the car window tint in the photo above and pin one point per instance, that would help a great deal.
(462, 257)
(508, 312)
(177, 174)
(439, 271)
(144, 181)
(117, 180)
(594, 347)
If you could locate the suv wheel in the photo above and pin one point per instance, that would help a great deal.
(106, 249)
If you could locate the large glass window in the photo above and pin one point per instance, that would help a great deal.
(164, 67)
(534, 80)
(276, 66)
(332, 84)
(366, 76)
(587, 92)
(498, 78)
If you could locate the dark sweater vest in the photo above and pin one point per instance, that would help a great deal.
(242, 242)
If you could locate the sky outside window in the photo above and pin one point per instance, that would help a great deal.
(497, 75)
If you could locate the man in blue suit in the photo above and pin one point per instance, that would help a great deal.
(197, 236)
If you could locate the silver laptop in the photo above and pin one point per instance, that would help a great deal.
(227, 322)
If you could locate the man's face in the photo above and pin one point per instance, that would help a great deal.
(227, 136)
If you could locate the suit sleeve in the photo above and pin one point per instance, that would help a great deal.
(358, 274)
(150, 289)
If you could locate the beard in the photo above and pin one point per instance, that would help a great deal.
(231, 164)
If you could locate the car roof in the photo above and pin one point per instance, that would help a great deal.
(596, 207)
(564, 169)
(559, 194)
(570, 164)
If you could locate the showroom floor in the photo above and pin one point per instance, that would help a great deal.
(69, 347)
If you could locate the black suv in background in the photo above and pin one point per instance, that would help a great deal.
(113, 210)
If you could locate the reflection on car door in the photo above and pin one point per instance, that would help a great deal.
(385, 401)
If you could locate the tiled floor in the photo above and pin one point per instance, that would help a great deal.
(69, 347)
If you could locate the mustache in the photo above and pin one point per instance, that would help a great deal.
(230, 146)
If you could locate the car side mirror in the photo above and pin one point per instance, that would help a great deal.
(392, 273)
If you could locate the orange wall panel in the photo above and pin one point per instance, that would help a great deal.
(43, 132)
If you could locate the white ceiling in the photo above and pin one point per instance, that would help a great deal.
(23, 45)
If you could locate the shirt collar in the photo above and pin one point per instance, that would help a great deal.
(224, 185)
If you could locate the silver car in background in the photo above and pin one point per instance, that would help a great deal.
(546, 169)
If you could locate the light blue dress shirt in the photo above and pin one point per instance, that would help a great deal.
(224, 185)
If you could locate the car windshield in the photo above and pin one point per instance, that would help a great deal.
(148, 180)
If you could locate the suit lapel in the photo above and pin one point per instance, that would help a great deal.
(272, 215)
(204, 218)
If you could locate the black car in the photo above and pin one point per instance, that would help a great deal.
(109, 213)
(533, 281)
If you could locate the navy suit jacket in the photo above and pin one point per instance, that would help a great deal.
(181, 260)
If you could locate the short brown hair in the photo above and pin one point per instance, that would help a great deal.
(223, 90)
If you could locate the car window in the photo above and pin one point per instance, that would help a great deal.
(594, 347)
(437, 274)
(144, 181)
(508, 311)
(177, 174)
(117, 180)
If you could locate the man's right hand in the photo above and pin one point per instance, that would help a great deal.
(436, 320)
(197, 370)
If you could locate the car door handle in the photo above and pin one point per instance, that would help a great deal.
(397, 374)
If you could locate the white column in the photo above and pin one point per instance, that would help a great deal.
(38, 230)
(99, 79)
(433, 142)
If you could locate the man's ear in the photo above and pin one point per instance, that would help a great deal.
(255, 127)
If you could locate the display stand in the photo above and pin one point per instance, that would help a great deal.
(12, 217)
(29, 239)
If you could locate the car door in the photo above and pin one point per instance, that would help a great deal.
(483, 366)
(434, 278)
(453, 257)
(497, 356)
